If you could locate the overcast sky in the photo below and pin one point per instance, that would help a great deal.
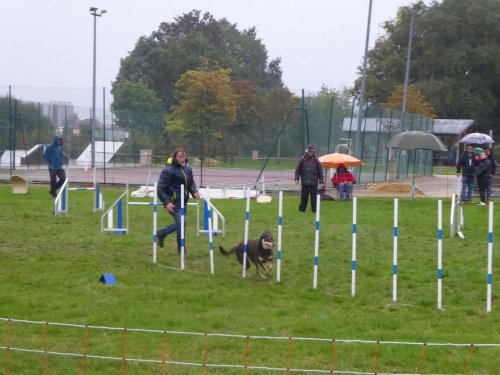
(49, 43)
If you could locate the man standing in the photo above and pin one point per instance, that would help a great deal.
(169, 192)
(54, 156)
(467, 163)
(310, 173)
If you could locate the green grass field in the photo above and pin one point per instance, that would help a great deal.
(50, 268)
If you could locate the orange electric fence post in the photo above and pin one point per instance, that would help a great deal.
(124, 354)
(6, 344)
(290, 355)
(205, 355)
(164, 349)
(422, 358)
(468, 358)
(247, 353)
(375, 352)
(84, 350)
(44, 348)
(334, 356)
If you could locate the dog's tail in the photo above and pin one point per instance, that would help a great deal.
(226, 252)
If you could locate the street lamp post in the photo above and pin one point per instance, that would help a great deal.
(95, 13)
(361, 102)
(408, 62)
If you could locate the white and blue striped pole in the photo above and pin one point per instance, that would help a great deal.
(440, 256)
(245, 243)
(155, 222)
(316, 244)
(119, 217)
(210, 231)
(99, 201)
(182, 227)
(354, 229)
(490, 256)
(453, 215)
(280, 225)
(395, 254)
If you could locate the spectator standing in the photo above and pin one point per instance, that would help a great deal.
(54, 156)
(483, 174)
(310, 173)
(175, 175)
(491, 158)
(343, 181)
(467, 164)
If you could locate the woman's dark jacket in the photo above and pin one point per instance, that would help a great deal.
(170, 181)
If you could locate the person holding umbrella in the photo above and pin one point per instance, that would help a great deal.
(467, 164)
(309, 172)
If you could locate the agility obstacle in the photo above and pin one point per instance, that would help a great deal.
(155, 223)
(209, 220)
(183, 225)
(210, 232)
(456, 216)
(113, 220)
(457, 212)
(440, 256)
(245, 241)
(98, 198)
(215, 216)
(61, 202)
(395, 253)
(280, 228)
(116, 220)
(353, 258)
(316, 243)
(490, 257)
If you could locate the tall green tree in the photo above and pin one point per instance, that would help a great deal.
(249, 116)
(206, 103)
(186, 44)
(415, 103)
(454, 58)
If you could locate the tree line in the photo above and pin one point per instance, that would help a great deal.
(454, 61)
(201, 83)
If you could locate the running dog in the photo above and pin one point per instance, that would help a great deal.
(259, 252)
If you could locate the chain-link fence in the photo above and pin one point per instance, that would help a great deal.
(274, 138)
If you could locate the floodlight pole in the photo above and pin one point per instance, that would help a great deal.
(361, 102)
(408, 62)
(94, 12)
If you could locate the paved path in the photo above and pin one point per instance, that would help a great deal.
(432, 186)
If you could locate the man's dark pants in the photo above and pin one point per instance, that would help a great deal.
(308, 191)
(54, 183)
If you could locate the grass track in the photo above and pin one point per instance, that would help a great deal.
(50, 268)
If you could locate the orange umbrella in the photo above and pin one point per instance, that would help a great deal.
(333, 160)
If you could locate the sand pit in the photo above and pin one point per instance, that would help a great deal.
(392, 189)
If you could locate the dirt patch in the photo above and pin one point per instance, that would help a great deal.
(393, 189)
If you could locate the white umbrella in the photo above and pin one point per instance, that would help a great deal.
(477, 138)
